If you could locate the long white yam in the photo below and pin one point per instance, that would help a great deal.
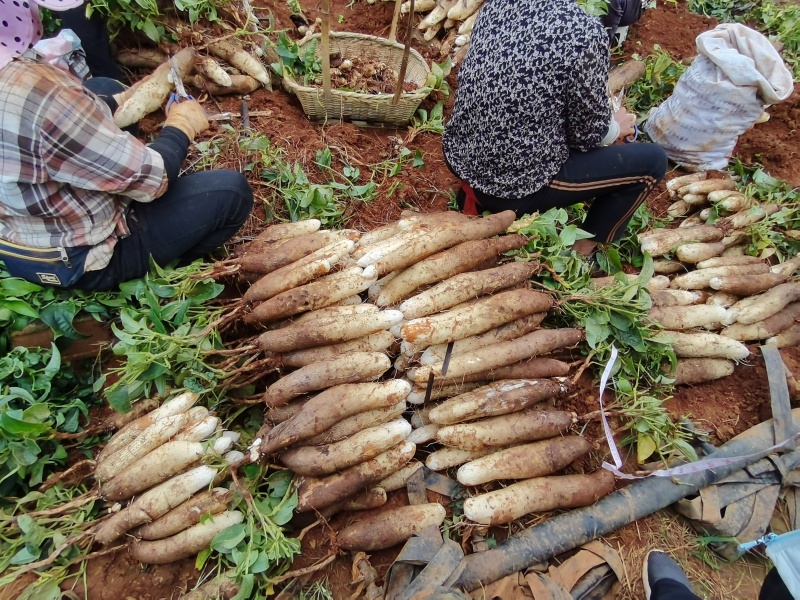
(353, 367)
(505, 332)
(663, 241)
(699, 279)
(317, 294)
(417, 395)
(505, 430)
(240, 58)
(315, 333)
(186, 543)
(527, 368)
(154, 91)
(537, 495)
(746, 285)
(751, 215)
(332, 406)
(283, 231)
(373, 342)
(176, 405)
(151, 438)
(322, 317)
(399, 478)
(447, 458)
(437, 15)
(675, 297)
(370, 254)
(466, 27)
(788, 268)
(787, 337)
(299, 273)
(154, 503)
(210, 68)
(199, 431)
(262, 259)
(723, 299)
(463, 9)
(186, 514)
(316, 494)
(757, 308)
(524, 462)
(702, 345)
(694, 252)
(465, 286)
(728, 261)
(337, 456)
(458, 259)
(476, 318)
(673, 185)
(424, 434)
(689, 317)
(501, 354)
(390, 527)
(769, 327)
(358, 422)
(690, 371)
(497, 398)
(444, 237)
(156, 467)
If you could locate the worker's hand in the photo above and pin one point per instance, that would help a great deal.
(627, 123)
(188, 116)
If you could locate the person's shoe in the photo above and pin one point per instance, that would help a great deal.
(595, 270)
(657, 566)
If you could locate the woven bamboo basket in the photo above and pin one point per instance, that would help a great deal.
(356, 106)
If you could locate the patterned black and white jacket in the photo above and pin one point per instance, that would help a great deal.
(532, 86)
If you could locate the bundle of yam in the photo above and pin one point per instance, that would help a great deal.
(718, 296)
(241, 73)
(155, 467)
(450, 20)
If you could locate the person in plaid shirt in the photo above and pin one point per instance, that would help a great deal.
(84, 204)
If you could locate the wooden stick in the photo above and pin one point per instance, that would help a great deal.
(326, 52)
(404, 64)
(395, 19)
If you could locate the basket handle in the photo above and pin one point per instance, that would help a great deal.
(326, 51)
(406, 49)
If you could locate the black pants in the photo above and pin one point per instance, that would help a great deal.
(94, 41)
(197, 213)
(773, 588)
(615, 179)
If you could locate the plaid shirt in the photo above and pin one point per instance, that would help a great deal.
(67, 172)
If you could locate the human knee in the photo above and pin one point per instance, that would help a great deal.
(236, 183)
(658, 160)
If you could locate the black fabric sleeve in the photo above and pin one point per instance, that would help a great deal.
(172, 144)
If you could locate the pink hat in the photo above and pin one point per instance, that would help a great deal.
(20, 28)
(59, 4)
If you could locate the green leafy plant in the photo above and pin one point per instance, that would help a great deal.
(597, 8)
(148, 17)
(165, 333)
(42, 401)
(611, 316)
(302, 64)
(658, 82)
(257, 549)
(437, 79)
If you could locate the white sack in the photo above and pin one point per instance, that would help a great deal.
(737, 74)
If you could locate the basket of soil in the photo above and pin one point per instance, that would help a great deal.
(364, 78)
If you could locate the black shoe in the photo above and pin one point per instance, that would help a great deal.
(595, 270)
(658, 566)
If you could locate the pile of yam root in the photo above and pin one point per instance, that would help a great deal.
(708, 294)
(436, 293)
(165, 471)
(450, 20)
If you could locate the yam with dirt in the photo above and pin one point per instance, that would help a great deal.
(331, 406)
(186, 514)
(691, 371)
(316, 494)
(542, 341)
(505, 430)
(703, 345)
(525, 461)
(466, 286)
(499, 398)
(353, 367)
(390, 527)
(537, 495)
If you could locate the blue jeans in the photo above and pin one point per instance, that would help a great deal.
(198, 213)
